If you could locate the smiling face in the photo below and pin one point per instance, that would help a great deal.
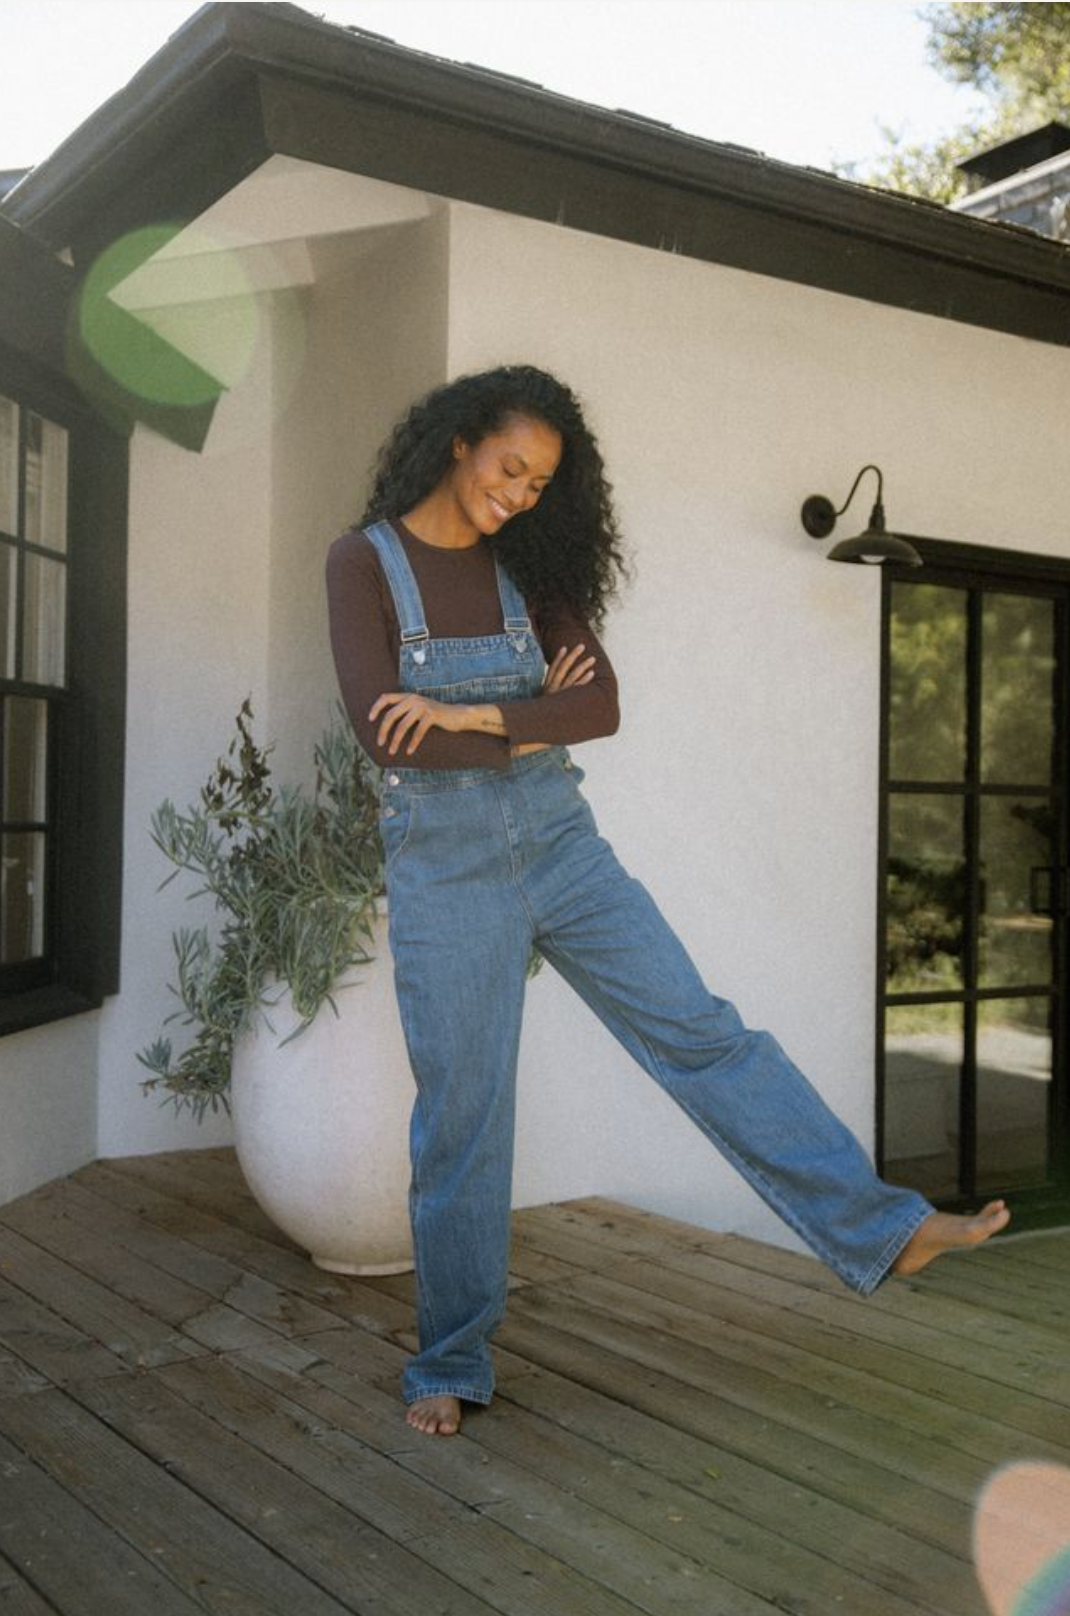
(504, 473)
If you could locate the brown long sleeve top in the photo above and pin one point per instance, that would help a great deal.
(460, 595)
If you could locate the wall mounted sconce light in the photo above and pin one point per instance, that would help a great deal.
(874, 545)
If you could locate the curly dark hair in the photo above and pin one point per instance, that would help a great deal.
(567, 547)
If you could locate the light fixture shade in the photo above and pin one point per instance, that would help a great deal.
(876, 547)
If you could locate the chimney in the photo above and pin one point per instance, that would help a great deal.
(1024, 181)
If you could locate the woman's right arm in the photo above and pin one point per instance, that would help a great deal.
(363, 639)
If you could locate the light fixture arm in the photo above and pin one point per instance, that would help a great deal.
(877, 519)
(819, 514)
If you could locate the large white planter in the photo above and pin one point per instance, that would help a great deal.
(321, 1124)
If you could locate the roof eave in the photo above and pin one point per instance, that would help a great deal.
(258, 44)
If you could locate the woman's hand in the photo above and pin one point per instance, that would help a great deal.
(406, 718)
(404, 714)
(568, 668)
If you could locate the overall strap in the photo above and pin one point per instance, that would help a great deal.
(399, 575)
(514, 609)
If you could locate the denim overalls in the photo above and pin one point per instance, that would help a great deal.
(481, 866)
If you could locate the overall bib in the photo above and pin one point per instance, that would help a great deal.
(482, 865)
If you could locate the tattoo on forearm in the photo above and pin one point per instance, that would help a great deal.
(493, 726)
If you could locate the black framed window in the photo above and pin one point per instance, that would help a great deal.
(973, 1035)
(63, 496)
(34, 511)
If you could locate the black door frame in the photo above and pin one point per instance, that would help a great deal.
(969, 565)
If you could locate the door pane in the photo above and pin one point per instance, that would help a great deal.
(44, 621)
(25, 751)
(9, 466)
(1017, 690)
(9, 571)
(22, 897)
(1015, 944)
(926, 892)
(46, 483)
(927, 683)
(1014, 1051)
(922, 1073)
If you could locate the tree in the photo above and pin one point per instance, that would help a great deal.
(1018, 56)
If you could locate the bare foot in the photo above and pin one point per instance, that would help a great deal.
(945, 1231)
(435, 1416)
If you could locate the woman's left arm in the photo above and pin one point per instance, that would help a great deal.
(577, 712)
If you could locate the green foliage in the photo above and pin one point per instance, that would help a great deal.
(929, 171)
(1014, 53)
(926, 901)
(1018, 56)
(294, 877)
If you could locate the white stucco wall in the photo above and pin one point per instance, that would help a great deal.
(48, 1103)
(198, 645)
(742, 787)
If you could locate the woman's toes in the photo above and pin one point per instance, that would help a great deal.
(435, 1416)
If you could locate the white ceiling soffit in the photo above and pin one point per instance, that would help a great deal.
(258, 237)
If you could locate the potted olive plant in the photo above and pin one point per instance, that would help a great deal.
(295, 1027)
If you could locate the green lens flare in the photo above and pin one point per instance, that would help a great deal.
(168, 314)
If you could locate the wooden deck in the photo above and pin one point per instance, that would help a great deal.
(193, 1418)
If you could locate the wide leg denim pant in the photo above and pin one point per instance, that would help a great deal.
(481, 866)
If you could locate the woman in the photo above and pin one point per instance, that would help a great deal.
(461, 622)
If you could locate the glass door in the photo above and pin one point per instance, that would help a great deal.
(976, 888)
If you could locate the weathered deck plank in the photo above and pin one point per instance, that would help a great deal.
(843, 1532)
(137, 1183)
(18, 1597)
(912, 1321)
(333, 1559)
(451, 1523)
(61, 1224)
(192, 1416)
(218, 1301)
(846, 1364)
(811, 1465)
(587, 1480)
(83, 1307)
(61, 1548)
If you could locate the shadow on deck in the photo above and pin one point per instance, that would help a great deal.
(194, 1418)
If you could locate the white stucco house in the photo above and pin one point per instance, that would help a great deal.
(187, 418)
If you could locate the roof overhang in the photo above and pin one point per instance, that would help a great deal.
(35, 293)
(240, 83)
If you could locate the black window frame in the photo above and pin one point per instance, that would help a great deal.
(975, 568)
(86, 750)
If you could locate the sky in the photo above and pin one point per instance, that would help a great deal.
(806, 81)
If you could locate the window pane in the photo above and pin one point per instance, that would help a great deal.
(44, 621)
(1013, 1086)
(1017, 690)
(46, 483)
(922, 1074)
(9, 466)
(1015, 944)
(926, 893)
(25, 752)
(22, 897)
(927, 683)
(8, 600)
